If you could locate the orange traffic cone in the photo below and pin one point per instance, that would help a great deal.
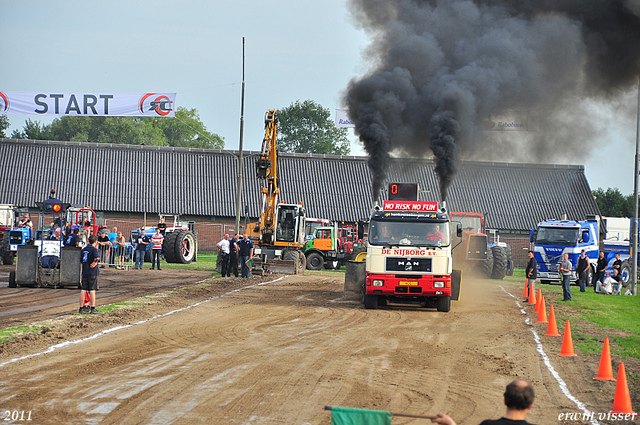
(536, 309)
(542, 312)
(622, 400)
(567, 342)
(525, 293)
(532, 295)
(552, 327)
(605, 373)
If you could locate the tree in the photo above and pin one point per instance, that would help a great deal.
(307, 128)
(185, 130)
(612, 203)
(4, 124)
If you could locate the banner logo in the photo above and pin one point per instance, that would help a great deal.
(4, 103)
(160, 104)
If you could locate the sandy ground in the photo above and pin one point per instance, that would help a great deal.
(277, 352)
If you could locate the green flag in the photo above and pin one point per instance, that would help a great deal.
(349, 416)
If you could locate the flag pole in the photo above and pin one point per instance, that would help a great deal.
(239, 189)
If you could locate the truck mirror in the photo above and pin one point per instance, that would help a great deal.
(459, 230)
(585, 237)
(531, 235)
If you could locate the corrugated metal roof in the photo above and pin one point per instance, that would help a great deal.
(201, 182)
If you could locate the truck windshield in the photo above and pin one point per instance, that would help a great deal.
(556, 236)
(411, 233)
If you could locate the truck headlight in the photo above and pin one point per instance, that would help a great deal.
(438, 284)
(378, 282)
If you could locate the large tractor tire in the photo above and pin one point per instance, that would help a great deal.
(510, 265)
(315, 261)
(12, 279)
(359, 255)
(179, 247)
(299, 258)
(499, 262)
(486, 266)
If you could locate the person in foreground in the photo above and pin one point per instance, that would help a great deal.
(518, 398)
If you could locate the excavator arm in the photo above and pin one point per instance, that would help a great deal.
(267, 172)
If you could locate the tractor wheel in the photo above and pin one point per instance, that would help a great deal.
(370, 301)
(444, 304)
(315, 261)
(510, 265)
(486, 266)
(625, 274)
(499, 262)
(179, 247)
(12, 279)
(298, 257)
(359, 254)
(7, 260)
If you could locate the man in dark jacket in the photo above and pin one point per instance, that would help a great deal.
(583, 267)
(531, 272)
(601, 266)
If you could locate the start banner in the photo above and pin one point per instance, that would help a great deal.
(409, 206)
(88, 104)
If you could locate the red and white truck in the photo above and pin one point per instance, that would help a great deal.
(409, 253)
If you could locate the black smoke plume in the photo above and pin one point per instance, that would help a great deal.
(439, 68)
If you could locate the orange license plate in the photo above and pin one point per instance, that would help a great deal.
(408, 282)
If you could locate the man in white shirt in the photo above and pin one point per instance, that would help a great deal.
(224, 252)
(606, 287)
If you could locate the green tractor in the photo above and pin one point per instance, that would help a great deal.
(331, 246)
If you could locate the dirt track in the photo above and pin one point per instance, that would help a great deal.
(278, 353)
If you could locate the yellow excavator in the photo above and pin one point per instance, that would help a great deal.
(280, 233)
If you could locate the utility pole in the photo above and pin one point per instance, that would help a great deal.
(634, 236)
(239, 190)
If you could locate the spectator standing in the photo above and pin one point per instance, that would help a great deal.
(224, 253)
(156, 248)
(118, 249)
(601, 266)
(162, 226)
(583, 266)
(531, 272)
(565, 270)
(518, 398)
(141, 249)
(90, 274)
(246, 254)
(233, 255)
(113, 252)
(74, 238)
(103, 246)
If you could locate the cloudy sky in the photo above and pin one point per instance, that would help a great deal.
(295, 50)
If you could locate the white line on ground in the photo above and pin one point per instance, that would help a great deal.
(547, 362)
(117, 328)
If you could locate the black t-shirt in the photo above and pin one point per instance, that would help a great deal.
(89, 254)
(72, 240)
(141, 246)
(162, 227)
(233, 245)
(531, 266)
(619, 264)
(103, 238)
(602, 264)
(583, 263)
(504, 421)
(245, 247)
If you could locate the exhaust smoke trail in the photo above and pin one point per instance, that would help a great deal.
(441, 67)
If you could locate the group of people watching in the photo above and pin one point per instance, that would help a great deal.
(233, 251)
